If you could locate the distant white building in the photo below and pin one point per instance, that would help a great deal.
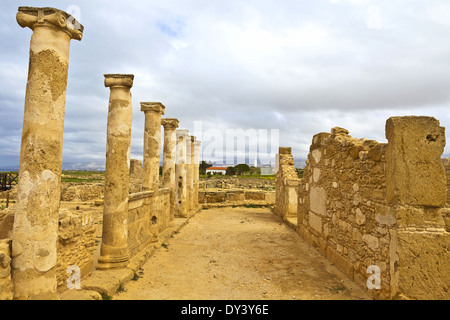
(217, 170)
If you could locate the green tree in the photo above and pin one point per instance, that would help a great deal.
(231, 171)
(242, 167)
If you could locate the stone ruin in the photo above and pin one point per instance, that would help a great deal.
(369, 207)
(377, 207)
(38, 240)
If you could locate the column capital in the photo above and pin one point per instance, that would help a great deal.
(193, 139)
(153, 107)
(197, 143)
(32, 17)
(182, 132)
(170, 123)
(119, 80)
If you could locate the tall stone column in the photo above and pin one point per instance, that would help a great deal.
(152, 143)
(190, 173)
(197, 156)
(37, 209)
(169, 156)
(114, 248)
(181, 206)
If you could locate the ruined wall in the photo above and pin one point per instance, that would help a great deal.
(136, 176)
(148, 215)
(6, 284)
(230, 182)
(446, 163)
(286, 180)
(81, 192)
(221, 198)
(350, 211)
(76, 243)
(75, 246)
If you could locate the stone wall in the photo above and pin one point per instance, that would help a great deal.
(287, 181)
(235, 197)
(148, 215)
(230, 182)
(6, 284)
(81, 192)
(76, 243)
(446, 163)
(349, 209)
(75, 246)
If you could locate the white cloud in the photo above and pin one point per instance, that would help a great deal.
(298, 66)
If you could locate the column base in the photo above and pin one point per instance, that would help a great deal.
(113, 257)
(112, 262)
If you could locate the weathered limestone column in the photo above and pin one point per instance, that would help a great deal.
(37, 209)
(152, 143)
(169, 156)
(181, 206)
(114, 248)
(197, 156)
(190, 173)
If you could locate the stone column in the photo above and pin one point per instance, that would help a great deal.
(169, 156)
(114, 248)
(37, 209)
(190, 173)
(181, 207)
(152, 143)
(197, 156)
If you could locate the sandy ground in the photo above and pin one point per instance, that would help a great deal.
(238, 253)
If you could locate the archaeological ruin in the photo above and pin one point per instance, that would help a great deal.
(380, 212)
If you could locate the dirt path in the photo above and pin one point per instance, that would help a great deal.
(238, 253)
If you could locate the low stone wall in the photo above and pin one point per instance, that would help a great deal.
(230, 182)
(148, 215)
(6, 284)
(76, 243)
(236, 197)
(81, 192)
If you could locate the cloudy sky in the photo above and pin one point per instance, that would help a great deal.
(293, 68)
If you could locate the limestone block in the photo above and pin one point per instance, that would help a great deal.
(6, 285)
(315, 222)
(415, 173)
(317, 200)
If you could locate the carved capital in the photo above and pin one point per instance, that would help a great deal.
(182, 132)
(193, 139)
(153, 107)
(32, 17)
(122, 80)
(169, 123)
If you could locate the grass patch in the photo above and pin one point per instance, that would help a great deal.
(337, 289)
(253, 206)
(121, 289)
(105, 296)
